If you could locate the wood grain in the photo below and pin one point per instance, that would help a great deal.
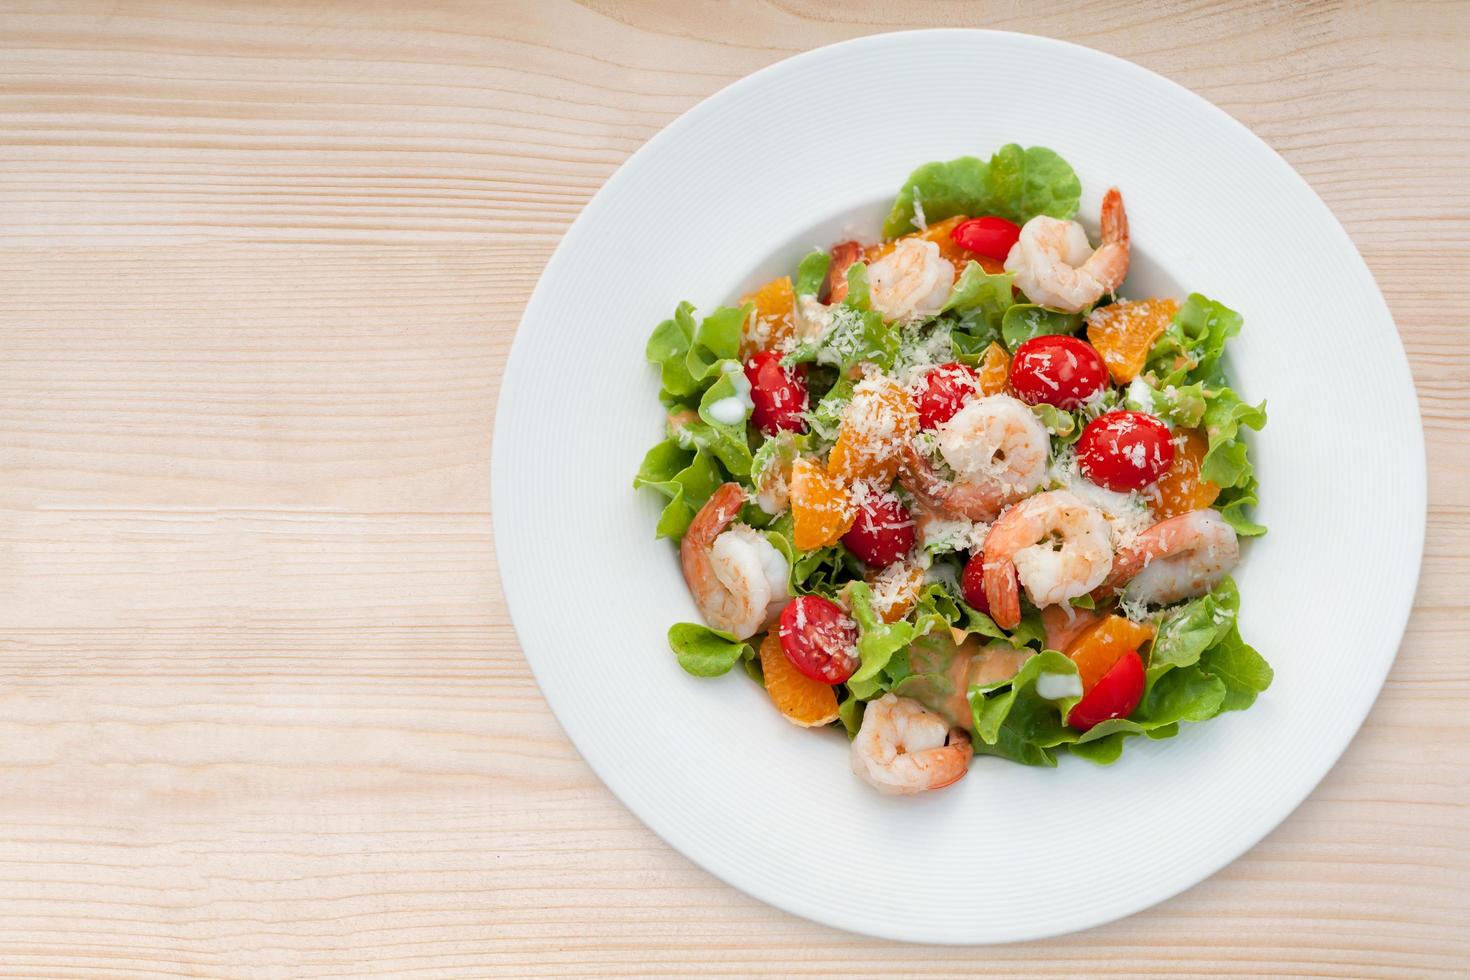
(263, 713)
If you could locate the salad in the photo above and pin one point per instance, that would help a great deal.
(952, 491)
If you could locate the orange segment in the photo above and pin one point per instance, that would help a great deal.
(821, 511)
(802, 700)
(1102, 646)
(1124, 332)
(878, 420)
(939, 234)
(995, 370)
(1180, 490)
(896, 590)
(775, 316)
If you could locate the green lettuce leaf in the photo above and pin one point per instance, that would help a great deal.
(728, 442)
(812, 272)
(852, 336)
(1189, 350)
(1016, 184)
(1013, 721)
(879, 641)
(1183, 407)
(979, 300)
(686, 478)
(668, 347)
(942, 190)
(1020, 184)
(704, 652)
(716, 339)
(1198, 667)
(1027, 320)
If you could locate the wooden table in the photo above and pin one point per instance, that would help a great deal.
(263, 712)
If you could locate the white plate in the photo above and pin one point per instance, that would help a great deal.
(732, 193)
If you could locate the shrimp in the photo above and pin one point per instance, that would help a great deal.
(913, 280)
(737, 578)
(844, 254)
(902, 747)
(1056, 266)
(999, 451)
(1055, 544)
(1180, 558)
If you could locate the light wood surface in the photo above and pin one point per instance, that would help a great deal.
(263, 713)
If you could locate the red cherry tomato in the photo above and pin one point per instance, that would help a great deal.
(944, 391)
(883, 531)
(1125, 450)
(972, 583)
(990, 236)
(1058, 370)
(1115, 695)
(819, 639)
(779, 395)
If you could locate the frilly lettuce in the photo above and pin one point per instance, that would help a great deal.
(706, 652)
(1189, 350)
(1190, 389)
(812, 272)
(686, 478)
(1024, 321)
(1016, 184)
(854, 332)
(1198, 667)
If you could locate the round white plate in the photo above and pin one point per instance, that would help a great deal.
(731, 194)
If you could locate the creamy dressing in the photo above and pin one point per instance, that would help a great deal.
(728, 411)
(1055, 687)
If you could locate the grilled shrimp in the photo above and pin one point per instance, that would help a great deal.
(737, 578)
(1054, 544)
(998, 449)
(913, 280)
(903, 747)
(1056, 266)
(1183, 557)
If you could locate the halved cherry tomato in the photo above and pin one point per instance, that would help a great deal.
(819, 639)
(1058, 370)
(883, 531)
(990, 236)
(779, 394)
(1114, 696)
(944, 391)
(972, 583)
(1125, 450)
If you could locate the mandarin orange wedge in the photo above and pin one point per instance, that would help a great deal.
(1101, 647)
(775, 316)
(1124, 332)
(878, 421)
(802, 700)
(821, 510)
(1180, 490)
(995, 370)
(896, 590)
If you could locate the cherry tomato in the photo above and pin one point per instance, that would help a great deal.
(819, 639)
(1125, 450)
(972, 583)
(990, 236)
(1114, 696)
(779, 395)
(883, 531)
(1058, 370)
(944, 391)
